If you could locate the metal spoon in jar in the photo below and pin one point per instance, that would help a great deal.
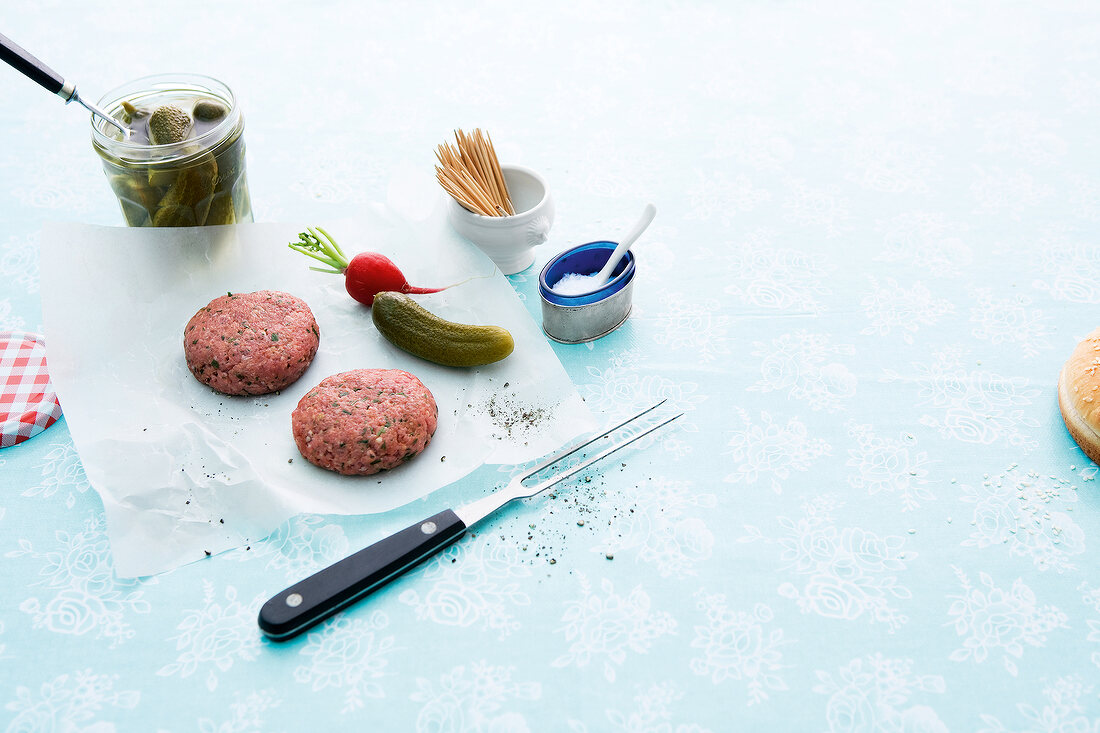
(18, 58)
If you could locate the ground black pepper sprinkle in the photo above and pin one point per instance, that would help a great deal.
(585, 495)
(512, 417)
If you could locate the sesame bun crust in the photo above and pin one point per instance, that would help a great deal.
(1079, 395)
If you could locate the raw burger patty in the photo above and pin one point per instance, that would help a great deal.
(251, 343)
(364, 421)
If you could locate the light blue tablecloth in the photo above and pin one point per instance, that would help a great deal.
(876, 244)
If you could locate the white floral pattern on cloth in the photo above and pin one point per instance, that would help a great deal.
(893, 307)
(804, 366)
(888, 465)
(1066, 705)
(693, 324)
(999, 620)
(1023, 135)
(56, 193)
(215, 636)
(8, 320)
(873, 693)
(331, 178)
(972, 406)
(473, 698)
(770, 450)
(19, 263)
(61, 470)
(1010, 320)
(771, 277)
(1084, 198)
(605, 626)
(87, 596)
(844, 573)
(1028, 513)
(825, 209)
(739, 645)
(926, 241)
(246, 714)
(662, 529)
(753, 141)
(300, 546)
(69, 702)
(663, 255)
(474, 583)
(1091, 598)
(652, 712)
(619, 391)
(998, 192)
(890, 166)
(348, 653)
(601, 165)
(716, 196)
(1065, 265)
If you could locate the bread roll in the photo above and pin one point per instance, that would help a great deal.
(1079, 395)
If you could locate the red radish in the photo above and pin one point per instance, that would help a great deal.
(370, 273)
(366, 275)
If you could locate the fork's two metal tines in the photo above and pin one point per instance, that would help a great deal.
(620, 435)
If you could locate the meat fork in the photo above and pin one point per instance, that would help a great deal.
(341, 584)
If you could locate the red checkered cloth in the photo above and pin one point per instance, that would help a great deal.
(28, 404)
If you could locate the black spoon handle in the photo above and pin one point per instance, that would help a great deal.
(324, 593)
(31, 67)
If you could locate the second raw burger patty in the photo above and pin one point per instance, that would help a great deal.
(251, 343)
(364, 421)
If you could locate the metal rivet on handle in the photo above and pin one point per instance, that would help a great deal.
(427, 527)
(294, 600)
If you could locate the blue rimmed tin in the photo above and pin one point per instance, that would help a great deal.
(574, 319)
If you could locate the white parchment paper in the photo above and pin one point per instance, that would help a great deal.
(183, 470)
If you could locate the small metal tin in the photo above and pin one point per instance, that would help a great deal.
(575, 319)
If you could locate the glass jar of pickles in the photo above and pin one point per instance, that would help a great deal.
(183, 162)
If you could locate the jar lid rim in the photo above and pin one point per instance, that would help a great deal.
(166, 152)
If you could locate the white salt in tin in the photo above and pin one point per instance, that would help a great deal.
(574, 319)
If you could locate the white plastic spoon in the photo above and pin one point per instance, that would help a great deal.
(642, 224)
(576, 284)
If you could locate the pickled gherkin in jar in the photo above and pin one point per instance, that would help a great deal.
(183, 164)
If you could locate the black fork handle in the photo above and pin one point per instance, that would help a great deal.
(322, 594)
(27, 64)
